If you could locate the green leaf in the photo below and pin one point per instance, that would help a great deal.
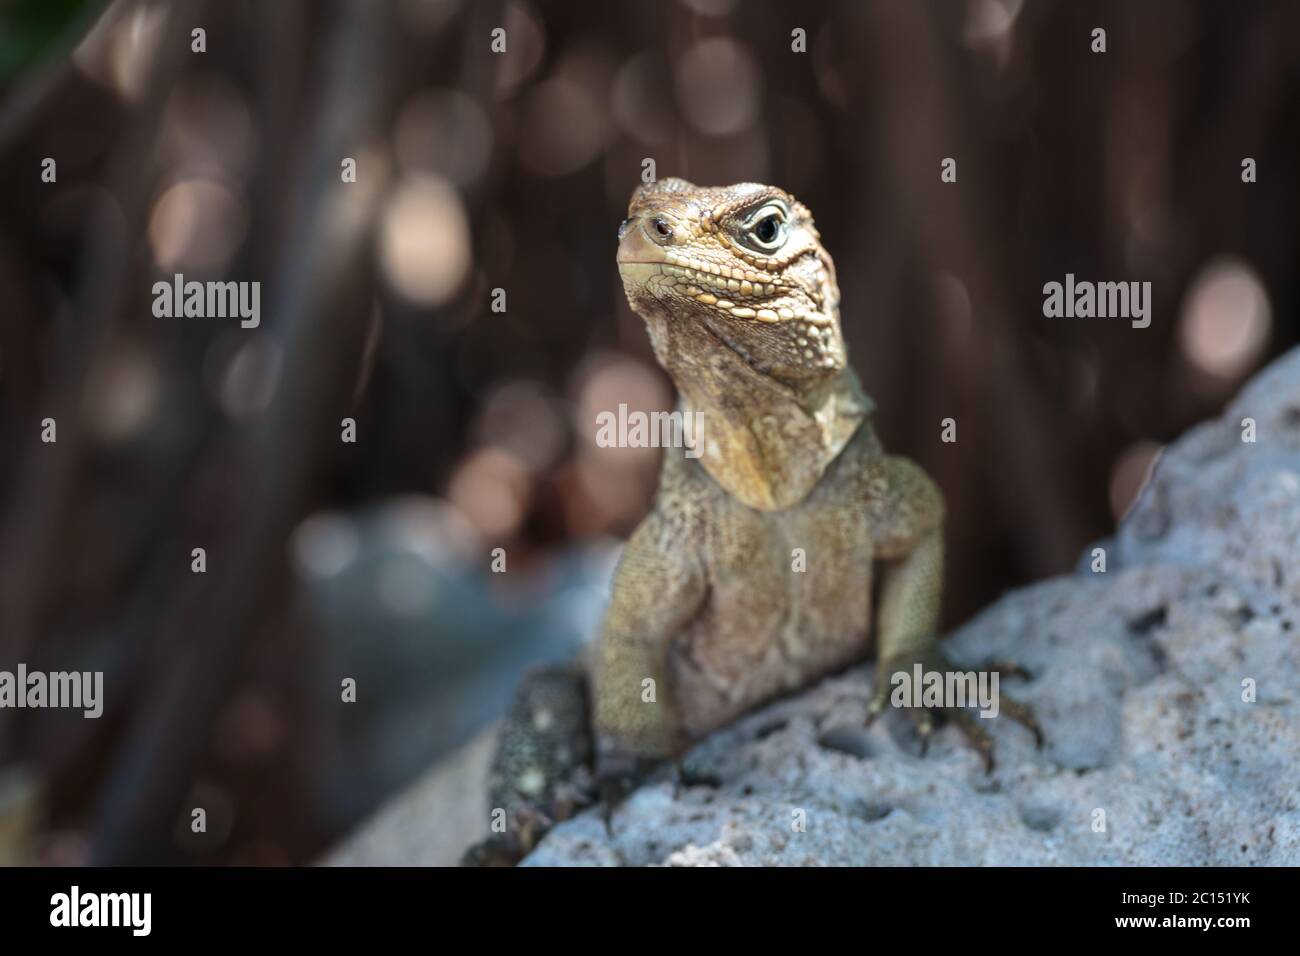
(32, 31)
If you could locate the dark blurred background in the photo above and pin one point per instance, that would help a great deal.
(329, 560)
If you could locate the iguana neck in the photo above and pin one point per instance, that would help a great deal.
(767, 442)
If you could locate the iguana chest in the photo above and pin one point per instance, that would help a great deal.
(789, 595)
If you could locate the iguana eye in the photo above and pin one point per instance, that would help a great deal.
(767, 228)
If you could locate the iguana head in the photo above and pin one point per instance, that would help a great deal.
(743, 312)
(744, 262)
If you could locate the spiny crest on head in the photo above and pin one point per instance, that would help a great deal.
(659, 187)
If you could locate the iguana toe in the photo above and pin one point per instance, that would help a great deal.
(896, 676)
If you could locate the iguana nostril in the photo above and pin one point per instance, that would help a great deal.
(623, 228)
(662, 231)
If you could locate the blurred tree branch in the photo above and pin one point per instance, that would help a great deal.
(49, 472)
(320, 312)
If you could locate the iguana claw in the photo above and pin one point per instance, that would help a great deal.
(932, 660)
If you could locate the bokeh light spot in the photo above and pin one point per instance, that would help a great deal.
(424, 244)
(196, 226)
(1226, 319)
(718, 86)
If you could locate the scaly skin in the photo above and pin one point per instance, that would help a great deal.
(742, 307)
(539, 772)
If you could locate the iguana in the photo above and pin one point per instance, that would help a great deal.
(753, 573)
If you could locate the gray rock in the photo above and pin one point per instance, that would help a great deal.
(431, 822)
(1138, 679)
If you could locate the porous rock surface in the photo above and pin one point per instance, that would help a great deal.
(1142, 676)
